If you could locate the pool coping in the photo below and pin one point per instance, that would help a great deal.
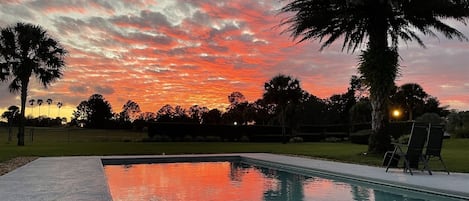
(83, 178)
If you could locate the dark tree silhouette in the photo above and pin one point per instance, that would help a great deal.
(196, 113)
(375, 22)
(27, 50)
(282, 91)
(96, 112)
(31, 102)
(130, 111)
(212, 117)
(39, 103)
(11, 115)
(59, 105)
(410, 96)
(49, 101)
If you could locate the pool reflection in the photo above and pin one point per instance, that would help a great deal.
(227, 181)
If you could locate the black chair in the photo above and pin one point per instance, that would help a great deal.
(435, 143)
(413, 155)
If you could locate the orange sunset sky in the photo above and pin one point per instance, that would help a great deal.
(187, 52)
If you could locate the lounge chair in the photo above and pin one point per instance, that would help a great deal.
(413, 155)
(435, 143)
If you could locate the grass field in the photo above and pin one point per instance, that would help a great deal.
(76, 141)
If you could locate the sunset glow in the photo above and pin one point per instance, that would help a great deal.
(184, 52)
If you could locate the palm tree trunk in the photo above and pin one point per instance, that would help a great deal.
(380, 140)
(24, 94)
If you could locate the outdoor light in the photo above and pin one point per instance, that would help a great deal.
(396, 113)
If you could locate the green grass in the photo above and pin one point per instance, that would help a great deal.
(84, 142)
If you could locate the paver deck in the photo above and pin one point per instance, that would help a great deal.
(83, 178)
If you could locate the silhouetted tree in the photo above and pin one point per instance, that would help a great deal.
(59, 105)
(31, 102)
(27, 50)
(165, 113)
(49, 101)
(237, 110)
(12, 115)
(375, 22)
(313, 110)
(196, 113)
(39, 103)
(212, 117)
(130, 111)
(410, 96)
(361, 111)
(96, 112)
(282, 90)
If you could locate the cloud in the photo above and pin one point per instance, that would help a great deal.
(188, 52)
(105, 90)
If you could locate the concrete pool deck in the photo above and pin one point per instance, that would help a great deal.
(82, 177)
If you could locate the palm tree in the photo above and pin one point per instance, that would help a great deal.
(375, 22)
(411, 96)
(31, 102)
(11, 115)
(59, 105)
(27, 50)
(39, 103)
(282, 91)
(49, 101)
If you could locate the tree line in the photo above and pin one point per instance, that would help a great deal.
(284, 103)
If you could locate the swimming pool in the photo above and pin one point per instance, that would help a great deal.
(236, 179)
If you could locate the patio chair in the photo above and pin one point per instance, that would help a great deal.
(413, 155)
(435, 143)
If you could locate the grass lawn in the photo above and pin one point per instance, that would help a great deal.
(74, 142)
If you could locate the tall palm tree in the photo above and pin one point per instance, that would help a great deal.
(39, 103)
(31, 102)
(49, 101)
(27, 50)
(282, 90)
(374, 23)
(59, 105)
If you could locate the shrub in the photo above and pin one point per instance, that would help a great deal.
(432, 118)
(213, 139)
(244, 139)
(360, 137)
(199, 138)
(461, 133)
(296, 140)
(187, 138)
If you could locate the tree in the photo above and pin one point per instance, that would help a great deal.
(11, 115)
(375, 22)
(236, 111)
(282, 90)
(236, 98)
(165, 113)
(49, 101)
(130, 111)
(59, 105)
(39, 103)
(410, 96)
(96, 112)
(196, 113)
(27, 50)
(31, 102)
(212, 117)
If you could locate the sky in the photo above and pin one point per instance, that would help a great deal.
(187, 52)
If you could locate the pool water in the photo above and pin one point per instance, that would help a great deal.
(225, 181)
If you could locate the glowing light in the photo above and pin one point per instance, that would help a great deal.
(396, 113)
